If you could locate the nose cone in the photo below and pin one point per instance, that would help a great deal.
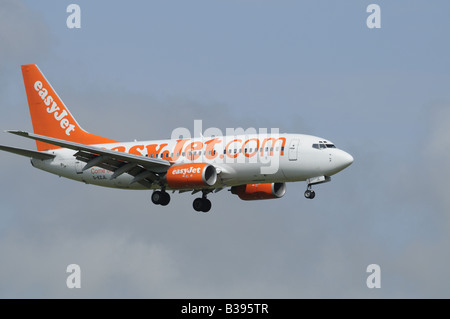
(342, 160)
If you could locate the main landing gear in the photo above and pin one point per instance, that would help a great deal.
(160, 198)
(202, 204)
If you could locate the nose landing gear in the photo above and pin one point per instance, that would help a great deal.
(309, 193)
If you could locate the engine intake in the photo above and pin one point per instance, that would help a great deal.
(259, 191)
(192, 175)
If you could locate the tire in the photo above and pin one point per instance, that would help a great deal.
(165, 199)
(313, 194)
(198, 204)
(156, 197)
(206, 205)
(308, 194)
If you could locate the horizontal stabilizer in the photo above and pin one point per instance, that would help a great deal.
(27, 153)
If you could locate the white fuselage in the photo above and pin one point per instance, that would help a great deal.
(241, 159)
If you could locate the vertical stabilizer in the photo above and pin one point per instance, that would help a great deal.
(49, 115)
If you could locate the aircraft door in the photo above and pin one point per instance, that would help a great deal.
(293, 150)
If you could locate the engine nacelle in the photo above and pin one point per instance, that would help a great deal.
(192, 175)
(259, 191)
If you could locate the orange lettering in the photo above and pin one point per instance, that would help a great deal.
(178, 148)
(134, 149)
(191, 148)
(247, 154)
(155, 148)
(228, 151)
(118, 149)
(273, 144)
(209, 152)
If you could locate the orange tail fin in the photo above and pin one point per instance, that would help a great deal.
(49, 115)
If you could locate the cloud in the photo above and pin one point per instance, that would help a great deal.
(389, 208)
(23, 34)
(24, 38)
(111, 266)
(286, 248)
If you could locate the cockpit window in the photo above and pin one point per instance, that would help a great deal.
(323, 145)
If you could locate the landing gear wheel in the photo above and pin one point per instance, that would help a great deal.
(202, 205)
(156, 197)
(197, 204)
(206, 205)
(310, 194)
(160, 198)
(165, 199)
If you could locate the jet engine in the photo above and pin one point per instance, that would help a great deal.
(191, 175)
(259, 191)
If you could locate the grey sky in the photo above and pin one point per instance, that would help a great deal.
(140, 69)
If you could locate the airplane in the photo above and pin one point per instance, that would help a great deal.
(251, 166)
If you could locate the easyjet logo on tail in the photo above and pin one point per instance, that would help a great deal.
(54, 109)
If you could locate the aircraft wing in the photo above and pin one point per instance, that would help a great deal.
(27, 153)
(145, 170)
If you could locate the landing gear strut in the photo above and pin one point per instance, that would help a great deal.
(202, 204)
(160, 198)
